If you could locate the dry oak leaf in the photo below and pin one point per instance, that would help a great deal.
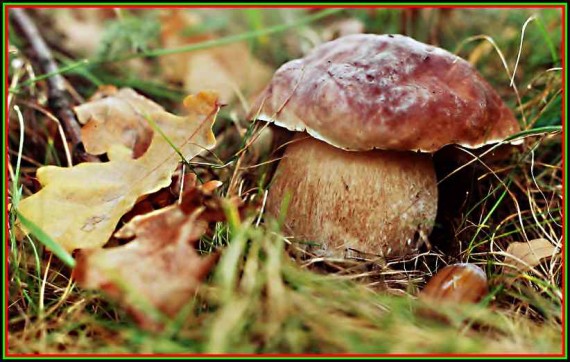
(159, 270)
(525, 256)
(79, 207)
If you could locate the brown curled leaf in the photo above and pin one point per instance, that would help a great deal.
(158, 271)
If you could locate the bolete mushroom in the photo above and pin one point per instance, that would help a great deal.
(369, 111)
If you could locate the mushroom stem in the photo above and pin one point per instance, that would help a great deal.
(375, 202)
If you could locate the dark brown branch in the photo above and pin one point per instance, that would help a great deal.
(57, 95)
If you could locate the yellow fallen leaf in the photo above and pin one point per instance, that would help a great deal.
(79, 207)
(524, 256)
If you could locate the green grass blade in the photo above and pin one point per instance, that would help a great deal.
(547, 39)
(45, 239)
(488, 216)
(68, 68)
(535, 132)
(157, 129)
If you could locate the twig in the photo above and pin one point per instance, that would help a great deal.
(57, 94)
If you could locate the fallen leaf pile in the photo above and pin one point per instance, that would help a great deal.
(160, 269)
(80, 207)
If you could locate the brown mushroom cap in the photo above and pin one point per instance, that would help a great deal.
(368, 91)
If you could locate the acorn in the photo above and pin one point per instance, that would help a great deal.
(457, 283)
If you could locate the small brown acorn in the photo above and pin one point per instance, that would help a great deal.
(457, 283)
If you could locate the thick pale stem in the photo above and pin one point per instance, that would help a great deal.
(375, 202)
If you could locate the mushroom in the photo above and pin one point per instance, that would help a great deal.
(368, 111)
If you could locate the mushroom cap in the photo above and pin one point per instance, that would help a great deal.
(367, 91)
